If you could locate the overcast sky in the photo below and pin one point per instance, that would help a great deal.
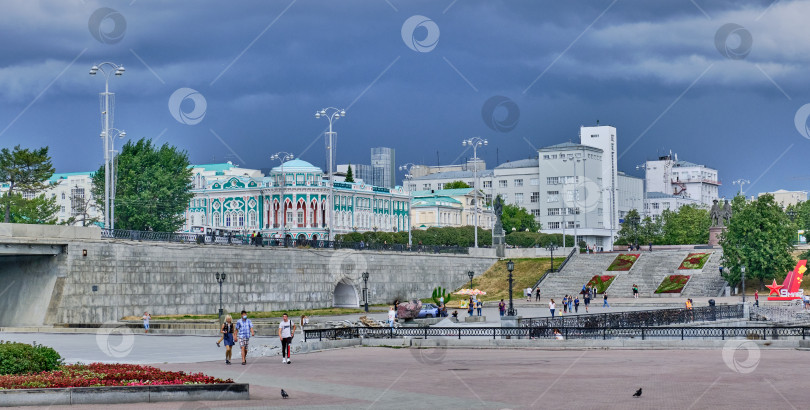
(720, 83)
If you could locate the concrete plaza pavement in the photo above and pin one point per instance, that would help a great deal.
(366, 377)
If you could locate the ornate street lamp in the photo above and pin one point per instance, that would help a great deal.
(475, 143)
(365, 289)
(510, 266)
(550, 247)
(220, 278)
(332, 114)
(471, 274)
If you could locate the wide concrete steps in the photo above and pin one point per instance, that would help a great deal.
(706, 282)
(648, 272)
(576, 273)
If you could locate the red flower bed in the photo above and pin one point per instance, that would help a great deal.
(673, 284)
(694, 261)
(100, 374)
(601, 283)
(623, 262)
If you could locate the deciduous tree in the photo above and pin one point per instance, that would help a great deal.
(25, 170)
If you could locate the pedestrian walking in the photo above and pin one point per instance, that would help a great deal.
(146, 317)
(259, 240)
(756, 298)
(392, 317)
(587, 301)
(244, 331)
(227, 331)
(650, 246)
(478, 305)
(470, 305)
(551, 307)
(635, 291)
(528, 294)
(565, 304)
(605, 302)
(286, 332)
(502, 307)
(570, 303)
(576, 305)
(537, 294)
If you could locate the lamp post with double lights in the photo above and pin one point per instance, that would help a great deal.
(283, 157)
(740, 182)
(331, 114)
(475, 142)
(365, 289)
(106, 122)
(220, 278)
(510, 266)
(408, 178)
(471, 274)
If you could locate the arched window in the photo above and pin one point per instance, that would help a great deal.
(216, 219)
(252, 219)
(227, 219)
(241, 219)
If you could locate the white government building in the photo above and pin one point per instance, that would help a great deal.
(671, 183)
(569, 188)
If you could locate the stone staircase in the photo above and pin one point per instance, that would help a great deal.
(649, 270)
(706, 282)
(576, 273)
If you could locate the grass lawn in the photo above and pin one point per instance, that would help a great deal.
(258, 315)
(494, 281)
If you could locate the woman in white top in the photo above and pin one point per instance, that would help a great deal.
(551, 307)
(392, 316)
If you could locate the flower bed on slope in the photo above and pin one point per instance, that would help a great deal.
(673, 284)
(623, 262)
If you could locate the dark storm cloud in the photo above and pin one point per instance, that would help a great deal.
(652, 69)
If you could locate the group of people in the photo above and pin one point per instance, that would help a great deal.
(475, 305)
(242, 330)
(570, 303)
(256, 239)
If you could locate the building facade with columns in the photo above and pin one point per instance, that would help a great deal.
(293, 201)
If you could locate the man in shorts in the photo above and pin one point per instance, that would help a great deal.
(244, 331)
(286, 330)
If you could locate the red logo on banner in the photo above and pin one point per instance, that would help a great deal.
(790, 289)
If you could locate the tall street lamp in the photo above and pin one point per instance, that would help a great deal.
(742, 270)
(408, 178)
(283, 157)
(510, 266)
(550, 247)
(331, 114)
(471, 274)
(365, 289)
(108, 102)
(475, 142)
(220, 279)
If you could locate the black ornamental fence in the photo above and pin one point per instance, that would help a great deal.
(641, 318)
(543, 332)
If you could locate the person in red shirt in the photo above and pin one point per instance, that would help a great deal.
(756, 298)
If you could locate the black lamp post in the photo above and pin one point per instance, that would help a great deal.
(742, 269)
(551, 247)
(365, 289)
(220, 279)
(510, 266)
(635, 220)
(471, 274)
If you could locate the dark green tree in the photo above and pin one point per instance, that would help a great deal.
(456, 185)
(518, 218)
(630, 232)
(153, 187)
(759, 237)
(688, 225)
(349, 174)
(25, 170)
(37, 210)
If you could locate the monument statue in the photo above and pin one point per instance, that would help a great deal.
(498, 235)
(726, 213)
(716, 213)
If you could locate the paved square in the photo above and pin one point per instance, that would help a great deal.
(367, 377)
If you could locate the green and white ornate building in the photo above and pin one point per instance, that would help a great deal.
(293, 201)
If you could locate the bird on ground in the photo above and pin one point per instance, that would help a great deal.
(284, 394)
(638, 393)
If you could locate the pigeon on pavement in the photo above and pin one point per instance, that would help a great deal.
(284, 394)
(638, 393)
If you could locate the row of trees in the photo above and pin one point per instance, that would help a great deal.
(687, 226)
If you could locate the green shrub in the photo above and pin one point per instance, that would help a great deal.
(20, 358)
